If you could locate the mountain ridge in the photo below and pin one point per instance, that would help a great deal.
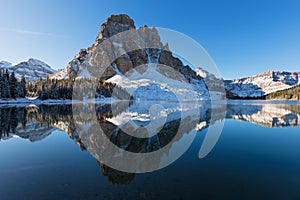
(32, 69)
(260, 85)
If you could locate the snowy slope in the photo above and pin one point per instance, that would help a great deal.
(262, 84)
(62, 74)
(153, 85)
(5, 64)
(32, 69)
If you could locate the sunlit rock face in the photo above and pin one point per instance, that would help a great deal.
(114, 25)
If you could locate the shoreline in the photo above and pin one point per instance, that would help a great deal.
(19, 101)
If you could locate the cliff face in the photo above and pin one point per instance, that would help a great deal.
(113, 25)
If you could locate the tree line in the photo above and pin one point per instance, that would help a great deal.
(291, 93)
(10, 87)
(70, 88)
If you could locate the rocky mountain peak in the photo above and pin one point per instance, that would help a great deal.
(126, 60)
(113, 25)
(95, 57)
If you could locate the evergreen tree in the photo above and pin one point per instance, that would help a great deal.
(5, 89)
(12, 85)
(5, 86)
(6, 75)
(23, 86)
(1, 83)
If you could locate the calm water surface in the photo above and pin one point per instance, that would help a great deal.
(48, 152)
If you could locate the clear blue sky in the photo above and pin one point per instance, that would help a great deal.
(243, 37)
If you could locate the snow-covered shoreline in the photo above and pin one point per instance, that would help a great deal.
(24, 100)
(262, 101)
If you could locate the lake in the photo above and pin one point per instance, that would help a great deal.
(150, 150)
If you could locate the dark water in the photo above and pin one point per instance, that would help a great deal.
(54, 152)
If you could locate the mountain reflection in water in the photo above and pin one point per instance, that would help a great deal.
(38, 122)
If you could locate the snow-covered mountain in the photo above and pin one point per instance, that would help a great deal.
(262, 84)
(5, 64)
(144, 73)
(32, 69)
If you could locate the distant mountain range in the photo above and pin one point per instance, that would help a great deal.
(261, 85)
(32, 69)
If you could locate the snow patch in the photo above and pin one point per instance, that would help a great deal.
(152, 85)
